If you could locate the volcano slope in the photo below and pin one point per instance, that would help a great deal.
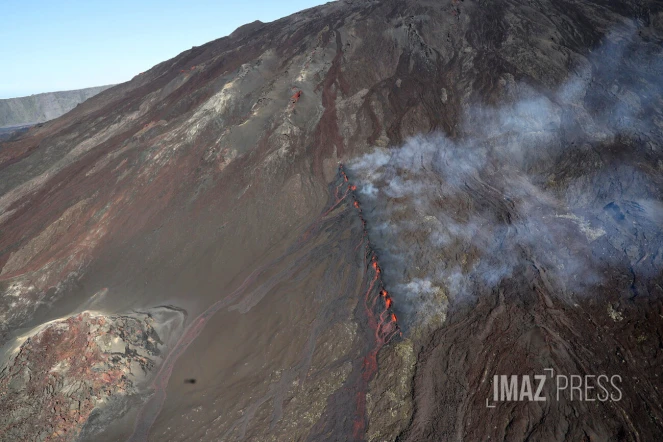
(186, 247)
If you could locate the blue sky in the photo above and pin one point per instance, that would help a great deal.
(52, 45)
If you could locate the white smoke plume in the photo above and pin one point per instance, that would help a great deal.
(566, 182)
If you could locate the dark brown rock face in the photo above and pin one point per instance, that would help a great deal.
(499, 212)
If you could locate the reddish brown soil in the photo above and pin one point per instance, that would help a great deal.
(199, 185)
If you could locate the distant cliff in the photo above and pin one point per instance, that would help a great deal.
(42, 107)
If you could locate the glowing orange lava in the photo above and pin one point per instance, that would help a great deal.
(380, 318)
(295, 98)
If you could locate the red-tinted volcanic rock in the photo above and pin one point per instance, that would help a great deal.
(211, 184)
(68, 368)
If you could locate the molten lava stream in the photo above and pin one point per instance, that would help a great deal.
(385, 327)
(384, 324)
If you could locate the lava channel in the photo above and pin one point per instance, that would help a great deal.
(378, 308)
(377, 305)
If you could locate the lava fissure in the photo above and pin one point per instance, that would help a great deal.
(383, 323)
(378, 308)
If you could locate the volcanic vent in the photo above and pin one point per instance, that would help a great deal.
(211, 183)
(340, 229)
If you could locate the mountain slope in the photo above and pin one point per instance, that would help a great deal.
(363, 212)
(38, 108)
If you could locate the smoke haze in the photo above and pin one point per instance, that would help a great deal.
(544, 180)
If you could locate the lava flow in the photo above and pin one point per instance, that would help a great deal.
(378, 306)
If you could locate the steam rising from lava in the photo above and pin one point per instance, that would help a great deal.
(544, 180)
(377, 305)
